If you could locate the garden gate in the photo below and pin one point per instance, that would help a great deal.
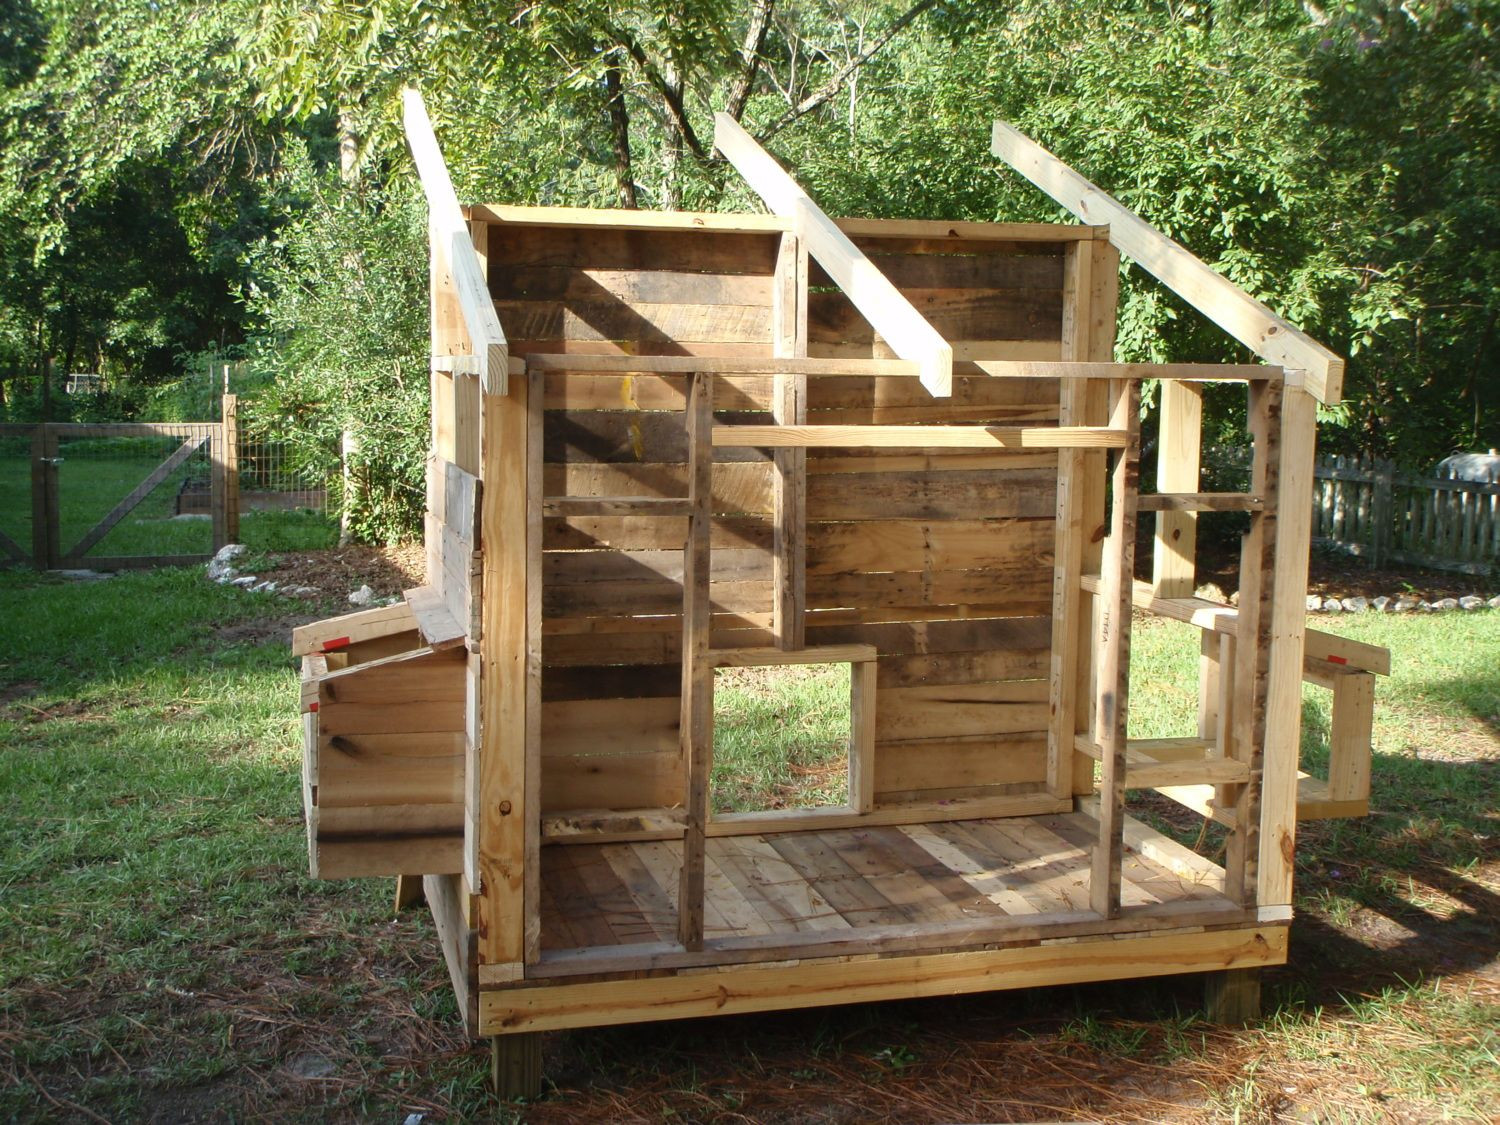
(87, 478)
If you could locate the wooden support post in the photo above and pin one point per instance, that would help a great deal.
(230, 423)
(1349, 736)
(1232, 997)
(862, 677)
(789, 408)
(516, 1065)
(408, 891)
(507, 817)
(1288, 622)
(697, 722)
(1113, 662)
(1253, 646)
(1088, 287)
(1177, 469)
(46, 547)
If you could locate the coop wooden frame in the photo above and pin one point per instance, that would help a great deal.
(663, 443)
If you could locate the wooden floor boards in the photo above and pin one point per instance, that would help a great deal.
(837, 881)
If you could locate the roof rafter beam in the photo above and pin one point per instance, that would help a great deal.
(889, 313)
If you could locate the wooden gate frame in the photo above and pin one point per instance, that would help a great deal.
(46, 545)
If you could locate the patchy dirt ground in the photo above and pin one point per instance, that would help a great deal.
(335, 573)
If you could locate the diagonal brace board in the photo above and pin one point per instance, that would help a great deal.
(485, 335)
(1219, 299)
(889, 313)
(12, 548)
(142, 490)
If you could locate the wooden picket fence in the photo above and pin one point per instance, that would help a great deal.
(1369, 508)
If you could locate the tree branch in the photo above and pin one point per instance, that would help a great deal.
(671, 96)
(826, 91)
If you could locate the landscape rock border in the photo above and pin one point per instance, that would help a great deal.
(1401, 603)
(221, 569)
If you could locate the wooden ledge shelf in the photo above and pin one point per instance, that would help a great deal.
(438, 627)
(919, 437)
(775, 657)
(615, 506)
(1200, 502)
(1159, 762)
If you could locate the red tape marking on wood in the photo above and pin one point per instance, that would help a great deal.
(336, 642)
(1338, 660)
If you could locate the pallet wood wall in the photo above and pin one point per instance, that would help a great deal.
(942, 560)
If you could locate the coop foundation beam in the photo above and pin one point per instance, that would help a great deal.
(822, 983)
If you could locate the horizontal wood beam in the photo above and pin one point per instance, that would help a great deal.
(870, 291)
(1200, 502)
(1318, 645)
(615, 506)
(1069, 369)
(918, 437)
(480, 320)
(1226, 304)
(775, 657)
(759, 988)
(721, 223)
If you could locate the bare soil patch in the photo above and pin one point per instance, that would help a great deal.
(336, 572)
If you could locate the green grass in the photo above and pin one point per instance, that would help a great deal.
(163, 955)
(781, 737)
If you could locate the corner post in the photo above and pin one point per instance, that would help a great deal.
(789, 408)
(1283, 726)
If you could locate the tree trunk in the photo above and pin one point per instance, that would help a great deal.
(619, 128)
(348, 147)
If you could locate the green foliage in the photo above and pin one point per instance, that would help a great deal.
(341, 300)
(1339, 164)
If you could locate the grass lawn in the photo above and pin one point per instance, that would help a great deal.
(163, 955)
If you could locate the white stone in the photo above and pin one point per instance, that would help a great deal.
(1210, 592)
(1445, 604)
(220, 567)
(1333, 605)
(363, 596)
(1356, 604)
(1494, 603)
(1470, 602)
(1404, 604)
(245, 582)
(1314, 603)
(1382, 604)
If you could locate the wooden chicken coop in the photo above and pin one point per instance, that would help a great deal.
(664, 445)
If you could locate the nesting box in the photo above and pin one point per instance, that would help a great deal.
(669, 444)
